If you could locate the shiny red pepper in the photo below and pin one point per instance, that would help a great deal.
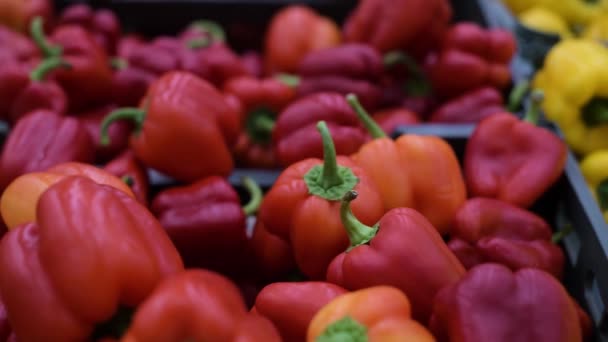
(390, 119)
(102, 24)
(470, 107)
(273, 254)
(118, 131)
(133, 172)
(295, 136)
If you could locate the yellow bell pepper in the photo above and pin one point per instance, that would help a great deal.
(597, 29)
(574, 80)
(545, 20)
(575, 12)
(595, 170)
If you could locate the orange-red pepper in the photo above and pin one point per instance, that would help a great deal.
(133, 173)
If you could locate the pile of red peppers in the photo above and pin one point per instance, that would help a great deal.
(361, 237)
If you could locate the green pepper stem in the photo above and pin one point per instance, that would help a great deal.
(116, 326)
(345, 329)
(358, 233)
(37, 33)
(533, 113)
(214, 29)
(557, 237)
(198, 43)
(263, 124)
(372, 127)
(595, 112)
(517, 95)
(255, 196)
(46, 66)
(127, 180)
(288, 79)
(118, 63)
(134, 114)
(393, 58)
(329, 177)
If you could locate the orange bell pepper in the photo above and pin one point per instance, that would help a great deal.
(17, 14)
(19, 200)
(295, 31)
(375, 314)
(419, 172)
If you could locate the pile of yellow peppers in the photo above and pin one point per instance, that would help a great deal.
(574, 79)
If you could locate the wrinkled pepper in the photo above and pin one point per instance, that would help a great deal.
(261, 100)
(577, 104)
(375, 314)
(302, 206)
(43, 263)
(103, 24)
(380, 24)
(520, 166)
(20, 199)
(403, 250)
(118, 132)
(595, 169)
(206, 223)
(471, 57)
(180, 114)
(17, 14)
(133, 173)
(493, 303)
(470, 107)
(390, 119)
(292, 306)
(87, 82)
(286, 42)
(488, 230)
(197, 305)
(295, 136)
(272, 254)
(419, 172)
(55, 139)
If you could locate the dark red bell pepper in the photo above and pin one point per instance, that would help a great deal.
(470, 107)
(471, 57)
(40, 140)
(87, 82)
(295, 136)
(133, 172)
(15, 46)
(292, 306)
(254, 63)
(489, 230)
(493, 303)
(5, 325)
(261, 101)
(520, 166)
(272, 254)
(403, 250)
(102, 24)
(118, 131)
(206, 223)
(390, 119)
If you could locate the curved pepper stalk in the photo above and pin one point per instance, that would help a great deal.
(358, 233)
(372, 127)
(137, 115)
(255, 196)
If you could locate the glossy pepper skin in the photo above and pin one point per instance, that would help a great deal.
(375, 314)
(403, 250)
(261, 101)
(425, 18)
(292, 306)
(391, 118)
(119, 132)
(498, 232)
(413, 171)
(302, 206)
(102, 24)
(87, 82)
(55, 138)
(470, 107)
(36, 268)
(17, 14)
(295, 137)
(286, 43)
(519, 167)
(132, 172)
(491, 302)
(197, 305)
(272, 254)
(180, 115)
(576, 105)
(20, 199)
(471, 57)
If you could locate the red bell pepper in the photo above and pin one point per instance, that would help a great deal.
(493, 303)
(301, 206)
(87, 82)
(102, 24)
(489, 230)
(403, 250)
(16, 47)
(272, 254)
(53, 139)
(254, 63)
(390, 119)
(261, 101)
(5, 326)
(295, 136)
(17, 14)
(292, 306)
(206, 223)
(198, 305)
(133, 172)
(470, 107)
(181, 114)
(380, 24)
(119, 132)
(520, 166)
(471, 57)
(43, 263)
